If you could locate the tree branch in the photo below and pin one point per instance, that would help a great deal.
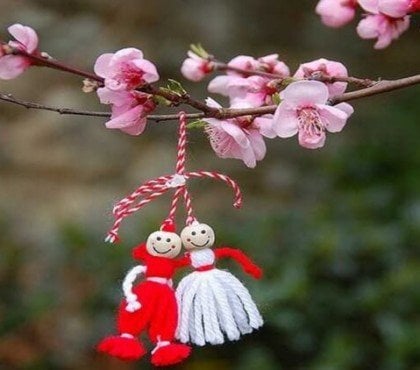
(69, 111)
(226, 113)
(42, 59)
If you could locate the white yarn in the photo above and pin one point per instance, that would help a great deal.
(186, 327)
(160, 344)
(126, 335)
(213, 332)
(213, 306)
(161, 280)
(237, 289)
(132, 300)
(202, 257)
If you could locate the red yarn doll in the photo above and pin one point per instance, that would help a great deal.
(150, 305)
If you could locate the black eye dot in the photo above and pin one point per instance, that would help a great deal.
(193, 233)
(158, 238)
(168, 240)
(203, 231)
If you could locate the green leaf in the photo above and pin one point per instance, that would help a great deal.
(176, 87)
(199, 50)
(197, 124)
(276, 98)
(161, 100)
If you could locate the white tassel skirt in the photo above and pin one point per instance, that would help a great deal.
(214, 306)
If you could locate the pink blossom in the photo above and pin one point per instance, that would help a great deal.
(391, 8)
(243, 62)
(383, 28)
(269, 63)
(235, 138)
(304, 110)
(26, 40)
(336, 13)
(254, 90)
(129, 109)
(125, 70)
(327, 68)
(196, 68)
(272, 64)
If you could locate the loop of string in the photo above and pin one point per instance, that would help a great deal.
(152, 189)
(180, 170)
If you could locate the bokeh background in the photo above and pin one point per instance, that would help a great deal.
(336, 230)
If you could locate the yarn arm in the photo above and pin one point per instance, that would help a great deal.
(248, 266)
(183, 262)
(131, 298)
(140, 252)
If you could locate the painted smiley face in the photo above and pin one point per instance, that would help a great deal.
(197, 236)
(163, 244)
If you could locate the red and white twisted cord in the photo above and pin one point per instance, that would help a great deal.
(152, 189)
(155, 188)
(180, 170)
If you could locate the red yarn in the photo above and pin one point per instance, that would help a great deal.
(158, 266)
(171, 354)
(158, 314)
(168, 225)
(128, 349)
(246, 263)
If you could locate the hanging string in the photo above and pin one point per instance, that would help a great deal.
(180, 171)
(152, 189)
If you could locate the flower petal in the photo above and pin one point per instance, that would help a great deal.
(257, 144)
(285, 122)
(333, 118)
(101, 67)
(371, 6)
(305, 93)
(248, 157)
(335, 13)
(117, 98)
(126, 55)
(264, 125)
(236, 133)
(131, 122)
(149, 69)
(395, 8)
(311, 141)
(212, 103)
(12, 66)
(25, 35)
(192, 69)
(345, 107)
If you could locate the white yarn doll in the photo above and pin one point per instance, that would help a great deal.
(214, 305)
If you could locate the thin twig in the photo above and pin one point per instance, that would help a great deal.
(69, 111)
(30, 105)
(226, 113)
(318, 76)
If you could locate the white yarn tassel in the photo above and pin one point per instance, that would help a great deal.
(214, 306)
(241, 300)
(133, 303)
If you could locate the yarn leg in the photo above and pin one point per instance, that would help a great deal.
(165, 318)
(162, 332)
(125, 346)
(135, 322)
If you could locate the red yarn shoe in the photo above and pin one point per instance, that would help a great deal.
(123, 347)
(170, 354)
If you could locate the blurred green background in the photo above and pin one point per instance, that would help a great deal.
(336, 230)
